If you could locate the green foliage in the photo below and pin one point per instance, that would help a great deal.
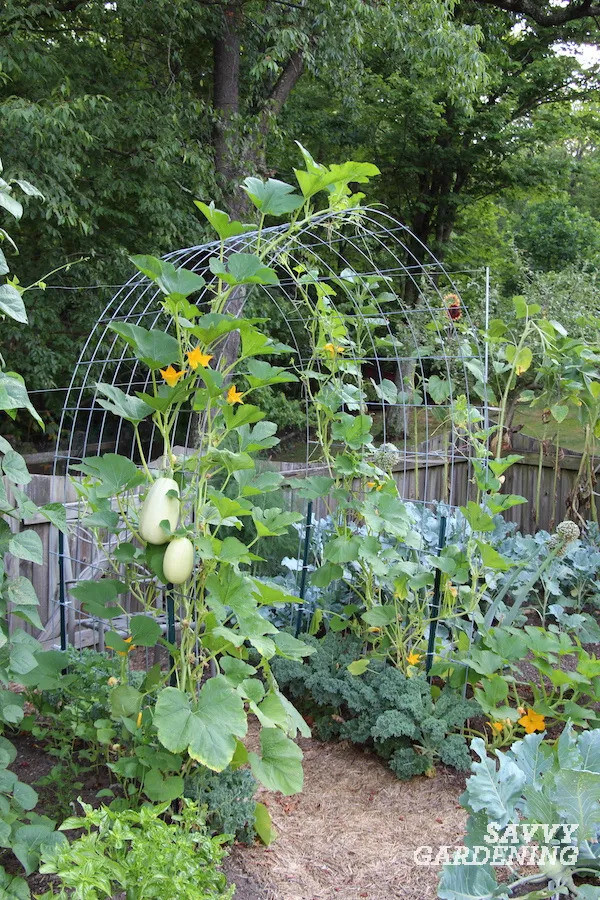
(203, 498)
(565, 688)
(553, 234)
(539, 783)
(139, 853)
(22, 659)
(229, 800)
(382, 708)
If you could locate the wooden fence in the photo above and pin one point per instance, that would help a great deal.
(422, 478)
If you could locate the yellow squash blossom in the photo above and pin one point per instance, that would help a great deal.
(234, 396)
(497, 726)
(171, 375)
(112, 681)
(197, 358)
(128, 640)
(413, 658)
(532, 721)
(332, 349)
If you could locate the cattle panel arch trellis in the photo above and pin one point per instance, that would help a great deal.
(356, 262)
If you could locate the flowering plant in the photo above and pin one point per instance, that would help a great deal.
(176, 524)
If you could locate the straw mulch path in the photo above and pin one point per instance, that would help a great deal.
(351, 833)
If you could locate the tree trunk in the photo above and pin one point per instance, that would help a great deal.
(226, 104)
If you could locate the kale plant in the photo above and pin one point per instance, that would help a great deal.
(382, 708)
(229, 800)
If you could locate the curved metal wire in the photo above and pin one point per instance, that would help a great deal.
(374, 246)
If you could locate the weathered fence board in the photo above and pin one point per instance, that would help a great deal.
(421, 477)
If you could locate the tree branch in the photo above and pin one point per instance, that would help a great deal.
(555, 16)
(286, 82)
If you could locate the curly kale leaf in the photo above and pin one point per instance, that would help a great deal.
(381, 708)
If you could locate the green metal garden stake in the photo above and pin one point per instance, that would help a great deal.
(307, 530)
(62, 602)
(435, 602)
(171, 630)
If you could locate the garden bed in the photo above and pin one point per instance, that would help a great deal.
(350, 834)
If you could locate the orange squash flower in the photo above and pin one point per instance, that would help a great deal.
(197, 358)
(171, 375)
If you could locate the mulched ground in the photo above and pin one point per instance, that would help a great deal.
(352, 832)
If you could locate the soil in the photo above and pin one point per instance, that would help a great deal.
(34, 762)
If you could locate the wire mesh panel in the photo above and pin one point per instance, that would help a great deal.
(348, 286)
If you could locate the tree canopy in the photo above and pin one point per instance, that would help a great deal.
(123, 113)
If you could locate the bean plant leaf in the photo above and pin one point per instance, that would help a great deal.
(279, 767)
(15, 468)
(559, 412)
(57, 514)
(13, 887)
(13, 395)
(520, 359)
(31, 840)
(27, 545)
